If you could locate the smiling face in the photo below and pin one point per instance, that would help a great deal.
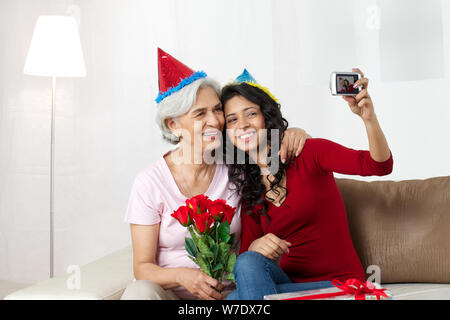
(202, 124)
(244, 123)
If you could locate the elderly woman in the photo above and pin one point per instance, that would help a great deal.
(189, 114)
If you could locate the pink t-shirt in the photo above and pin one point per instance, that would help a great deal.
(155, 196)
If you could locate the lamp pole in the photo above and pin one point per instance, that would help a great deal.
(52, 170)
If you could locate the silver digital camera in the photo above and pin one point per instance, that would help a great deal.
(341, 83)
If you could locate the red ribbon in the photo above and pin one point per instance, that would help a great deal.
(352, 286)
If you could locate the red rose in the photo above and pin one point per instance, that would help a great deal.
(203, 221)
(228, 213)
(182, 214)
(217, 209)
(198, 203)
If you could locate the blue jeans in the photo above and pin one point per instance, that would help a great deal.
(257, 276)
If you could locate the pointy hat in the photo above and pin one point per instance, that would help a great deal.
(173, 75)
(246, 77)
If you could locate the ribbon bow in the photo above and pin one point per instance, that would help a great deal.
(359, 288)
(352, 286)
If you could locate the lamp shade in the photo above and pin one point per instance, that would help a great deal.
(55, 48)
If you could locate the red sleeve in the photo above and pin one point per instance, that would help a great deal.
(251, 230)
(332, 157)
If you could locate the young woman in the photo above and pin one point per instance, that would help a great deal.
(294, 234)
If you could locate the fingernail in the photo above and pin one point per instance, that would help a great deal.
(283, 160)
(355, 85)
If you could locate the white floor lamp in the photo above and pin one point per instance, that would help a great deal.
(55, 51)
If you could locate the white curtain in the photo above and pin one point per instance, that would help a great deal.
(105, 129)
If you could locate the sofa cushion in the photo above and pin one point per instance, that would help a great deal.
(419, 291)
(402, 227)
(6, 287)
(103, 279)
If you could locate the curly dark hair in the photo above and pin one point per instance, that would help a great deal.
(246, 177)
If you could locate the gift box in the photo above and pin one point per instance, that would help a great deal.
(352, 289)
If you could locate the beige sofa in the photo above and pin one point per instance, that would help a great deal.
(401, 227)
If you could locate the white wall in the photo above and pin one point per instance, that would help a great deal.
(105, 130)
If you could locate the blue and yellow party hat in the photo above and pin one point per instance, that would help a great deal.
(246, 77)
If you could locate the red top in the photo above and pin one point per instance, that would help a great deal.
(313, 217)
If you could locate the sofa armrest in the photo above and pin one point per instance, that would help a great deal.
(102, 279)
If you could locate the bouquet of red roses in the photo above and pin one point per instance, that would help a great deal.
(211, 244)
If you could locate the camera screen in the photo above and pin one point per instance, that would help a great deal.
(344, 83)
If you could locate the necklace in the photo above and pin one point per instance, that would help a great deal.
(185, 188)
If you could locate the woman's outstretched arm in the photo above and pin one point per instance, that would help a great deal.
(362, 105)
(332, 157)
(378, 146)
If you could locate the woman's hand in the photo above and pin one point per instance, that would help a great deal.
(292, 143)
(200, 284)
(270, 246)
(361, 104)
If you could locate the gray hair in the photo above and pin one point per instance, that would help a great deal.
(179, 103)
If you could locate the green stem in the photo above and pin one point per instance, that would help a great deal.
(216, 232)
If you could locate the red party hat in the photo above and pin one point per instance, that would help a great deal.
(173, 75)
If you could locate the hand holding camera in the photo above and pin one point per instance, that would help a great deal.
(352, 86)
